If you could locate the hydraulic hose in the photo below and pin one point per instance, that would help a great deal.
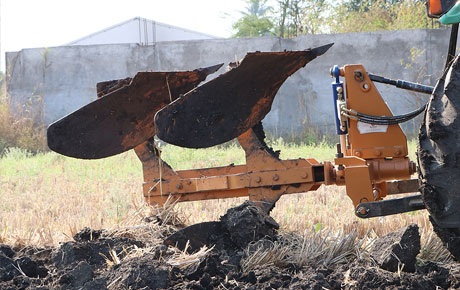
(382, 120)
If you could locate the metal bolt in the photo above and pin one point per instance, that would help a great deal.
(359, 76)
(189, 182)
(276, 177)
(305, 175)
(378, 153)
(358, 153)
(258, 179)
(398, 152)
(179, 186)
(339, 90)
(362, 211)
(376, 193)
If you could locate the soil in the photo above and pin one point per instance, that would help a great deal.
(398, 248)
(83, 262)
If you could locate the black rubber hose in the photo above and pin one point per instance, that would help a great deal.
(411, 86)
(378, 122)
(397, 120)
(384, 122)
(393, 118)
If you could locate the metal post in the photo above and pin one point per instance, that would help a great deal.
(452, 44)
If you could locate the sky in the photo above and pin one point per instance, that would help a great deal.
(48, 23)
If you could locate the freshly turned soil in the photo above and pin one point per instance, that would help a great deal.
(81, 264)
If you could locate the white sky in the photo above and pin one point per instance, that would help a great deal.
(48, 23)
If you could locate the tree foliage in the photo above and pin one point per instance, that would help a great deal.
(256, 21)
(368, 15)
(290, 18)
(297, 17)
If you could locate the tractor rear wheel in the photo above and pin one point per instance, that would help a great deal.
(439, 158)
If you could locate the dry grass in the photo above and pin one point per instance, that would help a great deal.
(182, 259)
(47, 198)
(21, 126)
(312, 248)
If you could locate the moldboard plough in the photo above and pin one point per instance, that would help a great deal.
(371, 160)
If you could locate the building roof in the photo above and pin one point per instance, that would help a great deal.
(142, 31)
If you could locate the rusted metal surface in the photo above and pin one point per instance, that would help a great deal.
(231, 104)
(104, 88)
(123, 117)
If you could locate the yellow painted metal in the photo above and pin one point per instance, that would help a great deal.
(363, 97)
(358, 184)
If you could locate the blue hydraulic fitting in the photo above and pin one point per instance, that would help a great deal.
(337, 90)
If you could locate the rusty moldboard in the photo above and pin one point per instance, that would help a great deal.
(123, 117)
(229, 105)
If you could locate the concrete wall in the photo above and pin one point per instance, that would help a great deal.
(66, 77)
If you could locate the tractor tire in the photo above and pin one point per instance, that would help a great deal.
(438, 157)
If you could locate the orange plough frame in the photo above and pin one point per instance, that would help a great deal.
(371, 158)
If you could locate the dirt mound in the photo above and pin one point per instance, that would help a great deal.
(398, 250)
(247, 222)
(221, 251)
(143, 272)
(94, 251)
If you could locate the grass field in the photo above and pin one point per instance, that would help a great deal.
(46, 198)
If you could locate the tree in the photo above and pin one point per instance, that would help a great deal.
(360, 5)
(314, 18)
(256, 21)
(297, 17)
(284, 5)
(372, 15)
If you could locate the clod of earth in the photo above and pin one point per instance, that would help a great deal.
(95, 251)
(398, 250)
(7, 251)
(78, 276)
(247, 222)
(239, 226)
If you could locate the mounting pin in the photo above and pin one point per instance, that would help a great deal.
(362, 211)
